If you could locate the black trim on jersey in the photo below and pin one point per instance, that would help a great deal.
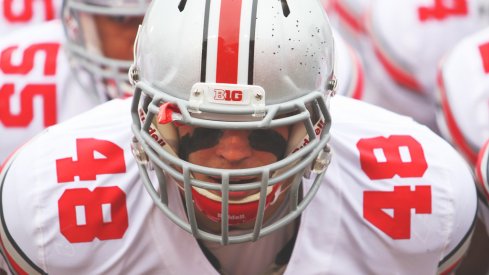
(251, 57)
(481, 197)
(5, 229)
(210, 257)
(182, 4)
(463, 241)
(203, 64)
(487, 168)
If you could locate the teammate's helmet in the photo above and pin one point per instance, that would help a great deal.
(233, 65)
(84, 46)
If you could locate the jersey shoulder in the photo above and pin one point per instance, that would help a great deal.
(349, 69)
(379, 157)
(428, 30)
(464, 117)
(356, 120)
(112, 114)
(81, 164)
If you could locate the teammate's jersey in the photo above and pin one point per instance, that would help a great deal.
(408, 38)
(463, 86)
(37, 87)
(348, 17)
(348, 69)
(17, 14)
(396, 199)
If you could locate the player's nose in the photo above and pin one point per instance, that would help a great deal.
(234, 146)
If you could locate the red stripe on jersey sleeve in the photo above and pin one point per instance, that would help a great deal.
(11, 260)
(351, 21)
(455, 132)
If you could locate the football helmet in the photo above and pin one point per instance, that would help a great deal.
(231, 65)
(93, 63)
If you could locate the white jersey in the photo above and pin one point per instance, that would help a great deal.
(391, 203)
(347, 16)
(17, 14)
(463, 86)
(408, 39)
(37, 86)
(349, 70)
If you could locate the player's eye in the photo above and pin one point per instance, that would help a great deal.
(267, 140)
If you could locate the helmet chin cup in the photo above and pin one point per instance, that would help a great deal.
(238, 213)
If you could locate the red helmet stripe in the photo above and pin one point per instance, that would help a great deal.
(228, 42)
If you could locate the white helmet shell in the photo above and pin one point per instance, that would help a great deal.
(273, 51)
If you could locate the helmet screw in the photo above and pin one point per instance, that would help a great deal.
(258, 96)
(197, 92)
(133, 74)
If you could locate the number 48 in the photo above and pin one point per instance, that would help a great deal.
(384, 158)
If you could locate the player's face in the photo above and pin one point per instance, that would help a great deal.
(117, 35)
(232, 149)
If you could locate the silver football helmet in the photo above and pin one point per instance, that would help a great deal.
(233, 66)
(85, 45)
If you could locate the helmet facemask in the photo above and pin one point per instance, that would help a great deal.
(308, 128)
(101, 63)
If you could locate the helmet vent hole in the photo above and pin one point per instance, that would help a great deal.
(285, 8)
(182, 4)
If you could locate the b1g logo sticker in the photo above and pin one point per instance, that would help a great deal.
(228, 95)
